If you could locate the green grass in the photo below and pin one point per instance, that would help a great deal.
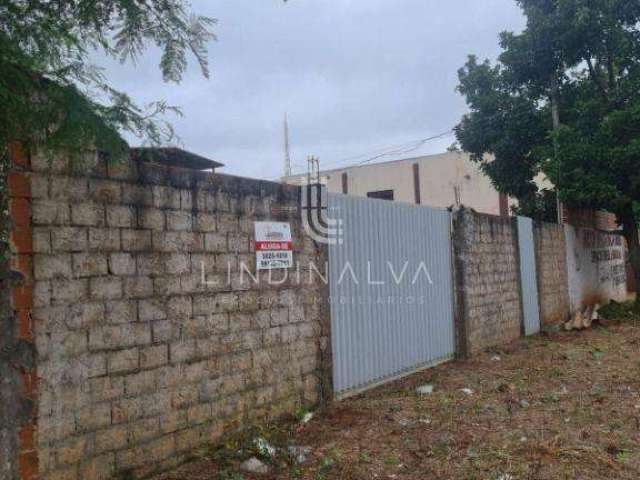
(621, 311)
(392, 459)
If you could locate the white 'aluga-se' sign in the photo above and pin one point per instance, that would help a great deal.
(274, 246)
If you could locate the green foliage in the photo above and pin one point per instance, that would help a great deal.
(542, 206)
(4, 211)
(505, 123)
(589, 50)
(51, 94)
(127, 475)
(624, 456)
(302, 411)
(620, 311)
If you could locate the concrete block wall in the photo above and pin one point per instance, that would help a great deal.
(486, 264)
(575, 268)
(551, 264)
(133, 331)
(150, 339)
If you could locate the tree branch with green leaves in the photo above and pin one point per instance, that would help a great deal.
(52, 95)
(583, 56)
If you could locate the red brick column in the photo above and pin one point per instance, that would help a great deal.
(19, 187)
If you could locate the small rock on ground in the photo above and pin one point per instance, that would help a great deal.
(253, 465)
(299, 453)
(424, 390)
(404, 423)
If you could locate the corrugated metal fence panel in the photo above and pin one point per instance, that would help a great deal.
(391, 291)
(530, 303)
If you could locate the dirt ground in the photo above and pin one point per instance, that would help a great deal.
(560, 406)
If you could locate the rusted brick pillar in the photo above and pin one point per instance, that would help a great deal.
(17, 362)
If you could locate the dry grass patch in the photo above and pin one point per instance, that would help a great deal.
(563, 406)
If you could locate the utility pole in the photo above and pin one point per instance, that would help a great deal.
(317, 160)
(313, 169)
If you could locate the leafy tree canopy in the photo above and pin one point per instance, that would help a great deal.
(51, 94)
(590, 50)
(582, 56)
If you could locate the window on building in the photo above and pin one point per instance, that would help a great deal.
(381, 195)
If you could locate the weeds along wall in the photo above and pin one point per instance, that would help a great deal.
(147, 340)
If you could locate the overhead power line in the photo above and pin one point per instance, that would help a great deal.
(419, 144)
(383, 152)
(406, 148)
(377, 151)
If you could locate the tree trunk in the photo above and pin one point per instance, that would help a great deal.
(630, 231)
(555, 115)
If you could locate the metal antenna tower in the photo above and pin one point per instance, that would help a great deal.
(287, 152)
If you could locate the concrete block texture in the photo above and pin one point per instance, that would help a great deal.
(551, 263)
(489, 310)
(150, 338)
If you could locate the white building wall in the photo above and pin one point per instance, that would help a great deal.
(440, 177)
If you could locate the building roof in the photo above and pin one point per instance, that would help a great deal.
(387, 162)
(174, 157)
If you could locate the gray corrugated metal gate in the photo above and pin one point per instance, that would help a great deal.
(530, 305)
(391, 291)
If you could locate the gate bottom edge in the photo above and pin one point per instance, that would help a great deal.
(358, 390)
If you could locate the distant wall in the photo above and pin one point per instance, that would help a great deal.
(575, 268)
(141, 359)
(551, 263)
(590, 219)
(487, 281)
(596, 267)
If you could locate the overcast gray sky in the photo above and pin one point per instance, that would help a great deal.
(355, 76)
